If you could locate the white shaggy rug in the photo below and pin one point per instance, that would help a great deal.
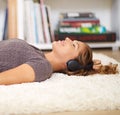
(63, 93)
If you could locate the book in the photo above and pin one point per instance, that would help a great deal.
(103, 37)
(80, 20)
(12, 19)
(20, 19)
(38, 20)
(77, 15)
(50, 27)
(5, 33)
(79, 23)
(70, 20)
(30, 29)
(3, 16)
(16, 19)
(45, 22)
(91, 29)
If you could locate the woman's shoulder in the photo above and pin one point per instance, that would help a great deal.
(12, 41)
(14, 45)
(15, 40)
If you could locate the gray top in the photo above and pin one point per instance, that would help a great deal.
(15, 52)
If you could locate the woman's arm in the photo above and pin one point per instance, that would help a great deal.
(21, 74)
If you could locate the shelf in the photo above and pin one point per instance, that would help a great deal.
(113, 45)
(43, 46)
(101, 8)
(108, 11)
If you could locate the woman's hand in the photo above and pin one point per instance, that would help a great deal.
(97, 64)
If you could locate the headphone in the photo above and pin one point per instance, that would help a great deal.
(74, 65)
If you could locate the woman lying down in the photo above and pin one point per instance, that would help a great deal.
(21, 63)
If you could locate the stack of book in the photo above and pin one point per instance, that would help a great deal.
(84, 27)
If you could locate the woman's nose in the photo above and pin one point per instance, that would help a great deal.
(68, 39)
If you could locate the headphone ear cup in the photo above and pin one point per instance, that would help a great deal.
(74, 65)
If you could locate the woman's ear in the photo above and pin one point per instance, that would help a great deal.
(74, 65)
(97, 67)
(96, 61)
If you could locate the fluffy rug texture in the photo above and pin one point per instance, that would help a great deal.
(63, 93)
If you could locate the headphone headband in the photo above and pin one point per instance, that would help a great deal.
(89, 66)
(74, 65)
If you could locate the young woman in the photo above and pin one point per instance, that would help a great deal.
(21, 62)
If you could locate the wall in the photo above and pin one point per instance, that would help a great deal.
(102, 9)
(116, 17)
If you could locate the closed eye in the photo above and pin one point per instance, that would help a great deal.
(75, 45)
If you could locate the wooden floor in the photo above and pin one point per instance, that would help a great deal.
(109, 52)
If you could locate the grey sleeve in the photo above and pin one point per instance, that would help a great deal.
(42, 69)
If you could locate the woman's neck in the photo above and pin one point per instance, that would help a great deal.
(56, 63)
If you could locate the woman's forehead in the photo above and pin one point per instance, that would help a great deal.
(80, 43)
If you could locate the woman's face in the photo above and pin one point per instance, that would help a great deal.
(68, 49)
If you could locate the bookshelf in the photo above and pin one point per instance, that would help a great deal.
(108, 11)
